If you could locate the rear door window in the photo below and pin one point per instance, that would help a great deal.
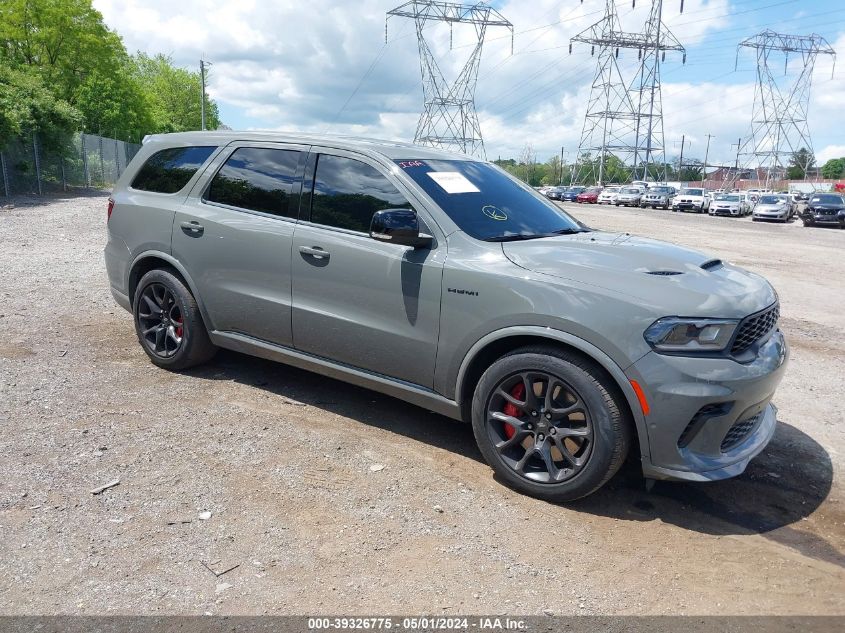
(258, 179)
(169, 170)
(347, 192)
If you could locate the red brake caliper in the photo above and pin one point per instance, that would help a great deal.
(179, 327)
(518, 392)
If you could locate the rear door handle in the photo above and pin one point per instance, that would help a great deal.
(192, 228)
(314, 251)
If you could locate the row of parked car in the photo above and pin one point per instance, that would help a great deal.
(822, 208)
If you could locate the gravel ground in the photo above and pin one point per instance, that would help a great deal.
(273, 473)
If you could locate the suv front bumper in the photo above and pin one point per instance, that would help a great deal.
(708, 416)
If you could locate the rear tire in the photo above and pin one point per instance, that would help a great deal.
(168, 322)
(563, 464)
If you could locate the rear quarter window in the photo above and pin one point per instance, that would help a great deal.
(169, 170)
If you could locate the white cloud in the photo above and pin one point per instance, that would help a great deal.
(828, 152)
(278, 65)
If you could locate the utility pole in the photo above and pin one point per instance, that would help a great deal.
(736, 165)
(203, 64)
(706, 155)
(681, 161)
(560, 180)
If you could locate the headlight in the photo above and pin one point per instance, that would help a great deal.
(673, 334)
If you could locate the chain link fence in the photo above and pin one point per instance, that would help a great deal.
(87, 161)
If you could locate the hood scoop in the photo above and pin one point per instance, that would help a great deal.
(713, 264)
(663, 273)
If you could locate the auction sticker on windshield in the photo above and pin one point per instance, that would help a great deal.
(452, 182)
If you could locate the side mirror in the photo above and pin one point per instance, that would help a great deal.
(398, 226)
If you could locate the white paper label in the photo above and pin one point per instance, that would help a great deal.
(452, 182)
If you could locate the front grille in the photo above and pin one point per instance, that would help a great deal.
(754, 328)
(739, 431)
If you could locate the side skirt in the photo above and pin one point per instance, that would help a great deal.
(409, 392)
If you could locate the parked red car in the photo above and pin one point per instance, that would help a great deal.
(590, 196)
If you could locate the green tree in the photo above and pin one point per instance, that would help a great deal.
(174, 95)
(116, 104)
(62, 40)
(800, 163)
(834, 168)
(78, 59)
(26, 106)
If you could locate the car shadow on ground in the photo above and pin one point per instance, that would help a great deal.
(780, 488)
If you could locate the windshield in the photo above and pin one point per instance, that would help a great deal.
(629, 190)
(770, 200)
(692, 192)
(660, 190)
(723, 197)
(485, 202)
(828, 199)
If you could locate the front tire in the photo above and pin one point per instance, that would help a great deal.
(551, 424)
(168, 322)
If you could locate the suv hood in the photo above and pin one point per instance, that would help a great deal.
(673, 280)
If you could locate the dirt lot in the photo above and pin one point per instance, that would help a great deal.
(282, 459)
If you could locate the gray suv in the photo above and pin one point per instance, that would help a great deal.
(443, 281)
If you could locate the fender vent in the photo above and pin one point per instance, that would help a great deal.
(713, 264)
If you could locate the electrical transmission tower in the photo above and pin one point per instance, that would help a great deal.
(624, 118)
(779, 126)
(449, 119)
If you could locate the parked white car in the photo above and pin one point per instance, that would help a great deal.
(730, 204)
(691, 199)
(608, 195)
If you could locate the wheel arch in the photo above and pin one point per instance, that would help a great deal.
(496, 344)
(151, 260)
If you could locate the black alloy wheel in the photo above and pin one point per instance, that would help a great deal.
(540, 426)
(551, 423)
(161, 320)
(168, 322)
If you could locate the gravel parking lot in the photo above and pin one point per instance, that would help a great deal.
(251, 487)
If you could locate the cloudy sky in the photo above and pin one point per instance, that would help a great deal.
(323, 66)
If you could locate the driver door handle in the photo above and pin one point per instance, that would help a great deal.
(314, 251)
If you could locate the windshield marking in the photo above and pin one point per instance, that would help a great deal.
(453, 182)
(494, 213)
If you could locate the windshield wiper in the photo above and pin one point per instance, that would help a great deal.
(517, 238)
(533, 236)
(570, 231)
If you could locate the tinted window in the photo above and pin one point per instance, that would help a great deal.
(169, 170)
(692, 192)
(257, 179)
(348, 192)
(828, 199)
(485, 202)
